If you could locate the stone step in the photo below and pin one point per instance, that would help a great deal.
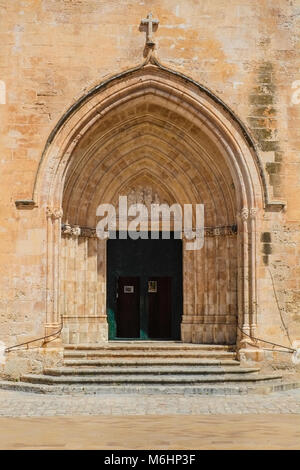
(149, 365)
(143, 362)
(149, 346)
(206, 389)
(147, 354)
(148, 379)
(163, 370)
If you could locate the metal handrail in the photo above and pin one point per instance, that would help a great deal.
(291, 350)
(37, 339)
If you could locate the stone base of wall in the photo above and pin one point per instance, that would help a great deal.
(24, 361)
(268, 360)
(84, 330)
(209, 333)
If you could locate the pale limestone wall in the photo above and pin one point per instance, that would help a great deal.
(52, 52)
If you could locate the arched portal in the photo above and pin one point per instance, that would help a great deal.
(152, 135)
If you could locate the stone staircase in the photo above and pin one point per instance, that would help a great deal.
(150, 367)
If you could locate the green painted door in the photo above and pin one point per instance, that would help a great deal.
(144, 288)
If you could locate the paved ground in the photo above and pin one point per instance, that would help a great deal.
(33, 421)
(23, 404)
(152, 432)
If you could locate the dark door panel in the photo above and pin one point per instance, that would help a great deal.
(128, 307)
(160, 307)
(144, 260)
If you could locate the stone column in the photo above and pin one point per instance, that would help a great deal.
(231, 288)
(243, 272)
(92, 276)
(53, 322)
(188, 273)
(71, 279)
(208, 328)
(248, 350)
(101, 277)
(253, 213)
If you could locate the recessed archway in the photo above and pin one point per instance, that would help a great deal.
(152, 130)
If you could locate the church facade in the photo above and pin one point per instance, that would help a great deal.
(194, 103)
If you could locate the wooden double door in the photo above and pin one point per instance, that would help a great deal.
(144, 307)
(144, 289)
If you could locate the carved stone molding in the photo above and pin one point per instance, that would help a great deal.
(25, 204)
(220, 231)
(276, 206)
(74, 231)
(87, 232)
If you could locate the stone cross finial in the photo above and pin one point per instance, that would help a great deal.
(149, 22)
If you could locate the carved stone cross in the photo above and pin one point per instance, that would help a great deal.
(149, 22)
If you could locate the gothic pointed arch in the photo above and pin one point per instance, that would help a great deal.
(156, 129)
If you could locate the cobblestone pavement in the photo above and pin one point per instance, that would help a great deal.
(36, 421)
(23, 404)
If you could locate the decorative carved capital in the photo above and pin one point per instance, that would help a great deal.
(244, 214)
(54, 213)
(253, 212)
(74, 231)
(57, 213)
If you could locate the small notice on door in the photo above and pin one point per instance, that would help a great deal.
(128, 289)
(152, 286)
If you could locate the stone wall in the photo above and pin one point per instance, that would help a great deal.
(53, 52)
